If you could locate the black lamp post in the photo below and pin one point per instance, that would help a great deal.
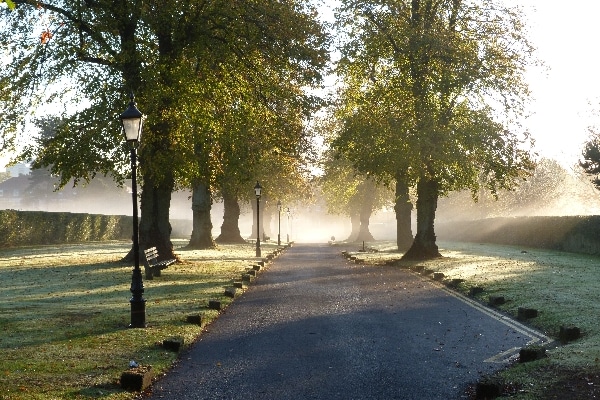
(257, 192)
(279, 223)
(132, 127)
(287, 211)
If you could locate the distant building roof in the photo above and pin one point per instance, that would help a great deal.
(18, 169)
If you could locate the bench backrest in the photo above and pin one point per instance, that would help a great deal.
(151, 253)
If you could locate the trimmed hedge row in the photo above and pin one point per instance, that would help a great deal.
(576, 234)
(18, 228)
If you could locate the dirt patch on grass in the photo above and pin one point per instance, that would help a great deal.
(557, 384)
(573, 385)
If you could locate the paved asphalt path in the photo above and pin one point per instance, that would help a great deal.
(315, 326)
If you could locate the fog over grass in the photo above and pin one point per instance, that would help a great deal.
(552, 190)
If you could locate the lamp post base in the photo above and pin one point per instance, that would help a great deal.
(138, 313)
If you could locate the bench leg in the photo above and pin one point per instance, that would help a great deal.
(149, 273)
(156, 271)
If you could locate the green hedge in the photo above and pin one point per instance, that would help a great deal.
(19, 228)
(576, 234)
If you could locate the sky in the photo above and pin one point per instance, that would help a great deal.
(566, 93)
(566, 96)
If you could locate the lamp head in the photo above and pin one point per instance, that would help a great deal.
(131, 119)
(257, 190)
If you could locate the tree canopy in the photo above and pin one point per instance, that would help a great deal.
(429, 91)
(191, 66)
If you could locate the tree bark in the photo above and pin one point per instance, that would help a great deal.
(230, 230)
(266, 216)
(366, 209)
(355, 223)
(202, 226)
(155, 229)
(364, 235)
(403, 209)
(424, 246)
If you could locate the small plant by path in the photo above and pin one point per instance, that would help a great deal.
(64, 315)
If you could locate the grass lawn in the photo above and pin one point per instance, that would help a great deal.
(64, 315)
(563, 287)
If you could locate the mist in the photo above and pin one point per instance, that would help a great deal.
(552, 190)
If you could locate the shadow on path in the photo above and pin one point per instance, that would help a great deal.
(317, 327)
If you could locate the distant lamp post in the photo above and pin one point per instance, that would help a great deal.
(132, 127)
(287, 211)
(279, 223)
(257, 192)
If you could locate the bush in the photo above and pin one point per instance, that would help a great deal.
(19, 228)
(576, 234)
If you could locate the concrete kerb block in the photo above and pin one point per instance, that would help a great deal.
(173, 344)
(475, 290)
(569, 333)
(137, 379)
(526, 313)
(230, 292)
(532, 353)
(214, 305)
(195, 319)
(496, 300)
(453, 283)
(438, 276)
(489, 388)
(417, 268)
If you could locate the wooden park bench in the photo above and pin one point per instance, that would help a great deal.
(152, 266)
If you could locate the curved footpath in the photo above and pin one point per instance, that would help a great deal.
(315, 326)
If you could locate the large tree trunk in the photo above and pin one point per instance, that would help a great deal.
(355, 224)
(403, 208)
(424, 246)
(155, 229)
(230, 230)
(202, 226)
(364, 235)
(266, 216)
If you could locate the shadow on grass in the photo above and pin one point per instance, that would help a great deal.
(45, 304)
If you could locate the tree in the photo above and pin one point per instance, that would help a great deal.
(88, 55)
(9, 4)
(350, 193)
(591, 158)
(439, 82)
(550, 190)
(260, 135)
